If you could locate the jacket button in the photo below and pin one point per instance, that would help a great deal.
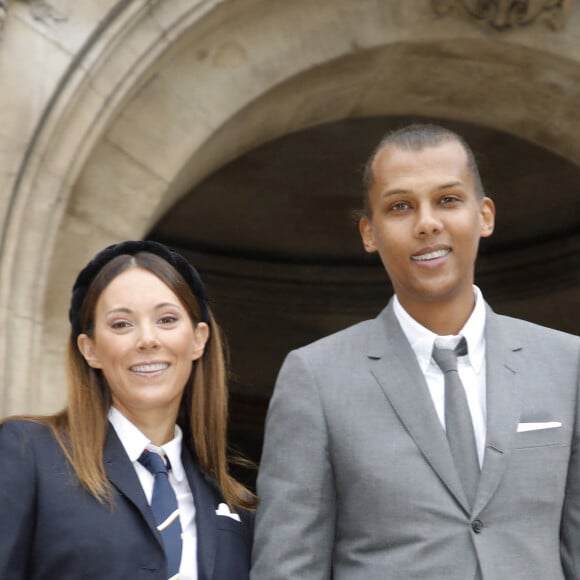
(477, 526)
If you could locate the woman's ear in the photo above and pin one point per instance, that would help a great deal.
(200, 338)
(86, 346)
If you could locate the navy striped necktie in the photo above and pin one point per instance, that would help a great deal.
(165, 509)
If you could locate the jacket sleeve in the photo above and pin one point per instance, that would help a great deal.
(17, 500)
(295, 520)
(570, 527)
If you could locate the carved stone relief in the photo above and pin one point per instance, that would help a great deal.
(509, 14)
(44, 12)
(3, 13)
(40, 10)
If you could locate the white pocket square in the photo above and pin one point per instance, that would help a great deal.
(224, 510)
(537, 426)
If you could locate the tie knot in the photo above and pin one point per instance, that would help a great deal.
(153, 462)
(446, 358)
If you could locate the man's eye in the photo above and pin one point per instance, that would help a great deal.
(400, 206)
(448, 199)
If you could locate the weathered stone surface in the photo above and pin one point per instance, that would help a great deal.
(113, 111)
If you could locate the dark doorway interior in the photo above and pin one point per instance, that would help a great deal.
(274, 236)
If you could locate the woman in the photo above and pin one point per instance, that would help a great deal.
(130, 480)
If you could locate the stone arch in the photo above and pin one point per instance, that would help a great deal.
(168, 92)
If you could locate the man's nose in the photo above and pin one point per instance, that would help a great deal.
(427, 222)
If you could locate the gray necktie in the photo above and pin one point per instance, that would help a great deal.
(458, 422)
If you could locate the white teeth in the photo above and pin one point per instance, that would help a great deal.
(149, 368)
(431, 255)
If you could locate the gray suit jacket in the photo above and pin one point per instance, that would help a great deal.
(357, 480)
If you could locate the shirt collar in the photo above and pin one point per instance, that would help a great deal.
(134, 441)
(422, 339)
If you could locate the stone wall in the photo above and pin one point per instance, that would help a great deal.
(111, 111)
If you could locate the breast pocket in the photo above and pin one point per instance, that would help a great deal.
(233, 553)
(541, 438)
(538, 467)
(226, 524)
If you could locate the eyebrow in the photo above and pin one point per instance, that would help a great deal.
(452, 184)
(125, 310)
(399, 191)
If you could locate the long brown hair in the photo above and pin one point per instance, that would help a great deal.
(81, 427)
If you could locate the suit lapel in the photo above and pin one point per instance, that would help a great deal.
(504, 388)
(395, 367)
(205, 497)
(121, 474)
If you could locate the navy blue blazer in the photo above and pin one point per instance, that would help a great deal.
(51, 527)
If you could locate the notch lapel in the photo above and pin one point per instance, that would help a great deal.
(205, 499)
(504, 392)
(395, 367)
(121, 474)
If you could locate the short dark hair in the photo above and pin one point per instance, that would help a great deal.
(416, 137)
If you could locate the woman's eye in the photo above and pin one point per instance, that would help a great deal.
(168, 319)
(119, 324)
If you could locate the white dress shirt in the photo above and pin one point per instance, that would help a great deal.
(471, 367)
(134, 442)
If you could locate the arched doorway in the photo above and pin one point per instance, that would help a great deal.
(169, 93)
(274, 234)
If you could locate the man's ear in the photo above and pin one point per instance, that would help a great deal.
(487, 212)
(87, 348)
(366, 232)
(200, 338)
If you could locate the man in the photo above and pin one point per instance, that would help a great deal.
(378, 464)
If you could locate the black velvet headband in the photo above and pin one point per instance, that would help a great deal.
(90, 271)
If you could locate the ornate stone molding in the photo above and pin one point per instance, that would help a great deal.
(40, 10)
(509, 14)
(3, 13)
(44, 12)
